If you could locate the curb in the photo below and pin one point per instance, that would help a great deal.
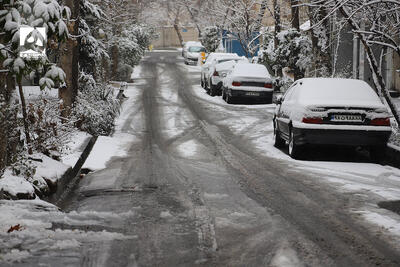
(66, 183)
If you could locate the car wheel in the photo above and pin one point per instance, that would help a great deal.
(278, 141)
(377, 154)
(212, 90)
(229, 99)
(293, 148)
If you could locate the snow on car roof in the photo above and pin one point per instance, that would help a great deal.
(193, 43)
(225, 65)
(335, 91)
(250, 70)
(223, 55)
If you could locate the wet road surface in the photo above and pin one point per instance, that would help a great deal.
(196, 194)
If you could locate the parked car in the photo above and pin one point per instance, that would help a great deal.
(213, 86)
(193, 54)
(189, 44)
(219, 71)
(248, 81)
(328, 111)
(185, 46)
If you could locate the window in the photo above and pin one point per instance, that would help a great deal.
(196, 49)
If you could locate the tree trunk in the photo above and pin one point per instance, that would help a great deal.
(115, 62)
(378, 78)
(322, 55)
(277, 18)
(295, 14)
(178, 30)
(69, 58)
(194, 19)
(261, 13)
(3, 121)
(24, 115)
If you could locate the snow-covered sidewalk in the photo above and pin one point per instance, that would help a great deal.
(29, 227)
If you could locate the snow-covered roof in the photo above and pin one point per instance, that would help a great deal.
(337, 92)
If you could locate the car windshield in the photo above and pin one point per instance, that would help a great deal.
(196, 49)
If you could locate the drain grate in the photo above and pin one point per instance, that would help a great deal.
(390, 205)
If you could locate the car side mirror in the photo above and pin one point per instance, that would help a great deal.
(278, 100)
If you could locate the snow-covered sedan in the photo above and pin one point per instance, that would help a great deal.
(328, 111)
(248, 81)
(209, 78)
(186, 46)
(193, 53)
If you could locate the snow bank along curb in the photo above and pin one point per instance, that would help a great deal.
(393, 155)
(71, 174)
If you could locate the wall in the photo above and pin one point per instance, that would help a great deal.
(169, 38)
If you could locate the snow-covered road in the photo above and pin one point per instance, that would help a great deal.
(190, 180)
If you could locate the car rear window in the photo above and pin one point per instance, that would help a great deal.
(251, 70)
(338, 90)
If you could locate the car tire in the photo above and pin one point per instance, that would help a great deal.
(278, 140)
(223, 95)
(377, 154)
(293, 149)
(212, 90)
(229, 99)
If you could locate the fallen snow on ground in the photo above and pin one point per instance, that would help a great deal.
(106, 148)
(33, 93)
(74, 148)
(41, 226)
(136, 72)
(49, 168)
(116, 145)
(390, 224)
(188, 148)
(286, 257)
(15, 184)
(176, 121)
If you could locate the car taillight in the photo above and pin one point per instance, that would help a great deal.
(236, 84)
(268, 85)
(215, 73)
(313, 120)
(381, 122)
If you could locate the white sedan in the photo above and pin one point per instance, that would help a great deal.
(328, 111)
(248, 81)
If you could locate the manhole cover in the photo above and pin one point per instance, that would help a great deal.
(390, 205)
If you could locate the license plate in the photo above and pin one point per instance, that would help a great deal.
(346, 117)
(252, 94)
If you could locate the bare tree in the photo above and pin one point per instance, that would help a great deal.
(295, 18)
(376, 24)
